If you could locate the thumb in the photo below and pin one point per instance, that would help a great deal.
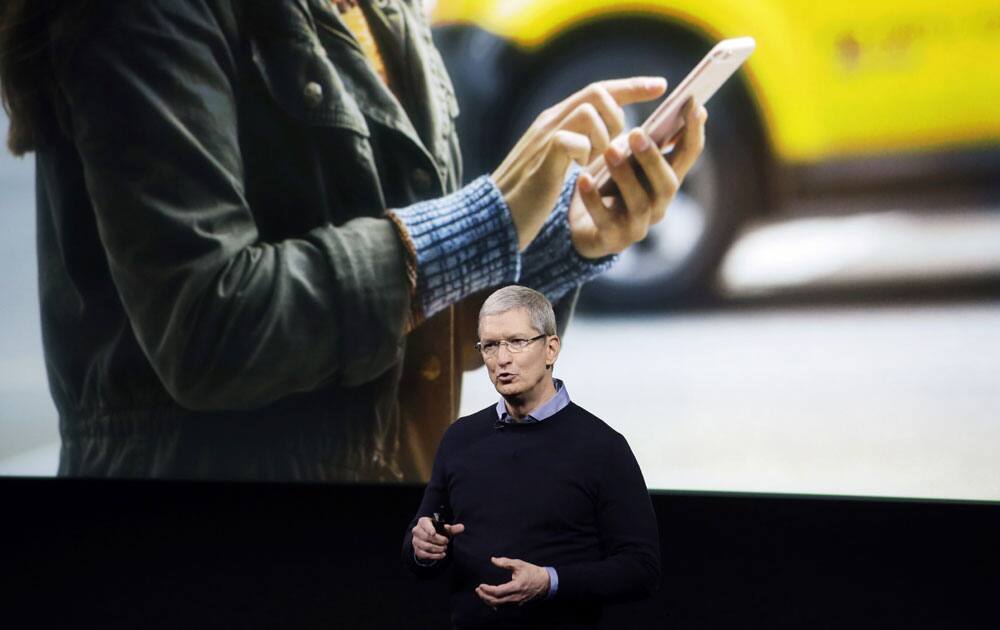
(504, 563)
(590, 195)
(457, 528)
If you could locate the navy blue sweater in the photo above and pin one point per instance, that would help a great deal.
(565, 492)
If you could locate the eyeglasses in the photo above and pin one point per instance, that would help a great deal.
(490, 348)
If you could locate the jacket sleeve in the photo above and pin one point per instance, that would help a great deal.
(630, 568)
(226, 319)
(435, 495)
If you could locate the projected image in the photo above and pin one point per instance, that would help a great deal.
(815, 313)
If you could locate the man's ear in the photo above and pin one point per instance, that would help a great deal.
(554, 345)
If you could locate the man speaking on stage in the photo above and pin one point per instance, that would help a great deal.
(542, 510)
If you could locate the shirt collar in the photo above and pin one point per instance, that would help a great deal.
(544, 411)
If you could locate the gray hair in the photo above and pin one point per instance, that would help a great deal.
(543, 318)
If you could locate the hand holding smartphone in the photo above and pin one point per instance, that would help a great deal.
(664, 124)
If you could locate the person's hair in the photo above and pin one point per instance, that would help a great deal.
(22, 37)
(28, 29)
(543, 318)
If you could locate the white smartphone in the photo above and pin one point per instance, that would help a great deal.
(700, 84)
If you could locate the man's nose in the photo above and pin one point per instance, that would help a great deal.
(504, 355)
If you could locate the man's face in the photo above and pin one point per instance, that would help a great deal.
(518, 374)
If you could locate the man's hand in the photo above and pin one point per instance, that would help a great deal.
(599, 227)
(428, 545)
(527, 582)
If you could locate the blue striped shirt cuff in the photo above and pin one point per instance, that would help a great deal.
(553, 582)
(463, 243)
(550, 264)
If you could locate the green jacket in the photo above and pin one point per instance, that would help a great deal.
(221, 294)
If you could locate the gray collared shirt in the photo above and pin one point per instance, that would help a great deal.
(544, 411)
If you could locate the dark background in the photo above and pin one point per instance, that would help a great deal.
(124, 554)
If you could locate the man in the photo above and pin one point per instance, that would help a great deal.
(255, 252)
(550, 516)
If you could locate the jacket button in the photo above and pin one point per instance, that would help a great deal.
(313, 94)
(431, 369)
(422, 180)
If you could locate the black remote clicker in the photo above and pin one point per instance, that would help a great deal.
(441, 518)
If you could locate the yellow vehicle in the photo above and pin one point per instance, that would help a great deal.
(850, 104)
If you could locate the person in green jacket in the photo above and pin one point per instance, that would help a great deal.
(254, 248)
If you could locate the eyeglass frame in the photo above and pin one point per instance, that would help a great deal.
(482, 349)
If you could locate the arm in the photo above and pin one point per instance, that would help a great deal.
(533, 177)
(551, 264)
(435, 494)
(227, 320)
(583, 235)
(630, 540)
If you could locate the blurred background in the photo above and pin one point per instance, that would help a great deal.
(819, 312)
